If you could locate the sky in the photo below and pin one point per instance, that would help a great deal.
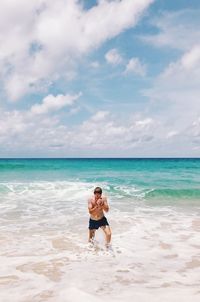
(105, 78)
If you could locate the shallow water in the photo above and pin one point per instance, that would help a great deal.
(44, 252)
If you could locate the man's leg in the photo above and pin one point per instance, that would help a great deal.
(107, 232)
(91, 235)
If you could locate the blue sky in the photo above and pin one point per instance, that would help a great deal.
(100, 78)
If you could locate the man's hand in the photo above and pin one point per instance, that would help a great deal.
(103, 204)
(100, 202)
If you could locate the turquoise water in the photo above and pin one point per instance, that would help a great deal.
(146, 178)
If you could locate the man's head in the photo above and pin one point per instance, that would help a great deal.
(97, 192)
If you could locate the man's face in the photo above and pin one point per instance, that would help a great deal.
(97, 195)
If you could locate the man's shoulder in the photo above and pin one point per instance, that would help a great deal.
(91, 199)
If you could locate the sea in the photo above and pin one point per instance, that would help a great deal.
(154, 217)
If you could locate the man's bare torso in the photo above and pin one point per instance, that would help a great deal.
(98, 212)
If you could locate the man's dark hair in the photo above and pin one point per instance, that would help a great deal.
(98, 190)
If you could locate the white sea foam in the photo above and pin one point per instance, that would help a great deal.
(45, 255)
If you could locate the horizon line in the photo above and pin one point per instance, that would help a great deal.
(4, 158)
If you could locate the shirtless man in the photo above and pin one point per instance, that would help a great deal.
(96, 207)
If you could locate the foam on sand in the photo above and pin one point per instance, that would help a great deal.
(45, 255)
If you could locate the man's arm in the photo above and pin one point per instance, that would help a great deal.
(91, 207)
(105, 206)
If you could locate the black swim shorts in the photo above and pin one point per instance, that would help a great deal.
(95, 224)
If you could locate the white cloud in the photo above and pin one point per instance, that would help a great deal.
(191, 58)
(178, 84)
(95, 64)
(175, 94)
(102, 131)
(135, 66)
(38, 44)
(187, 64)
(99, 116)
(194, 129)
(176, 30)
(109, 132)
(171, 133)
(12, 123)
(144, 123)
(113, 57)
(74, 110)
(53, 103)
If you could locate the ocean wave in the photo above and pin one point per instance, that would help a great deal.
(79, 190)
(173, 193)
